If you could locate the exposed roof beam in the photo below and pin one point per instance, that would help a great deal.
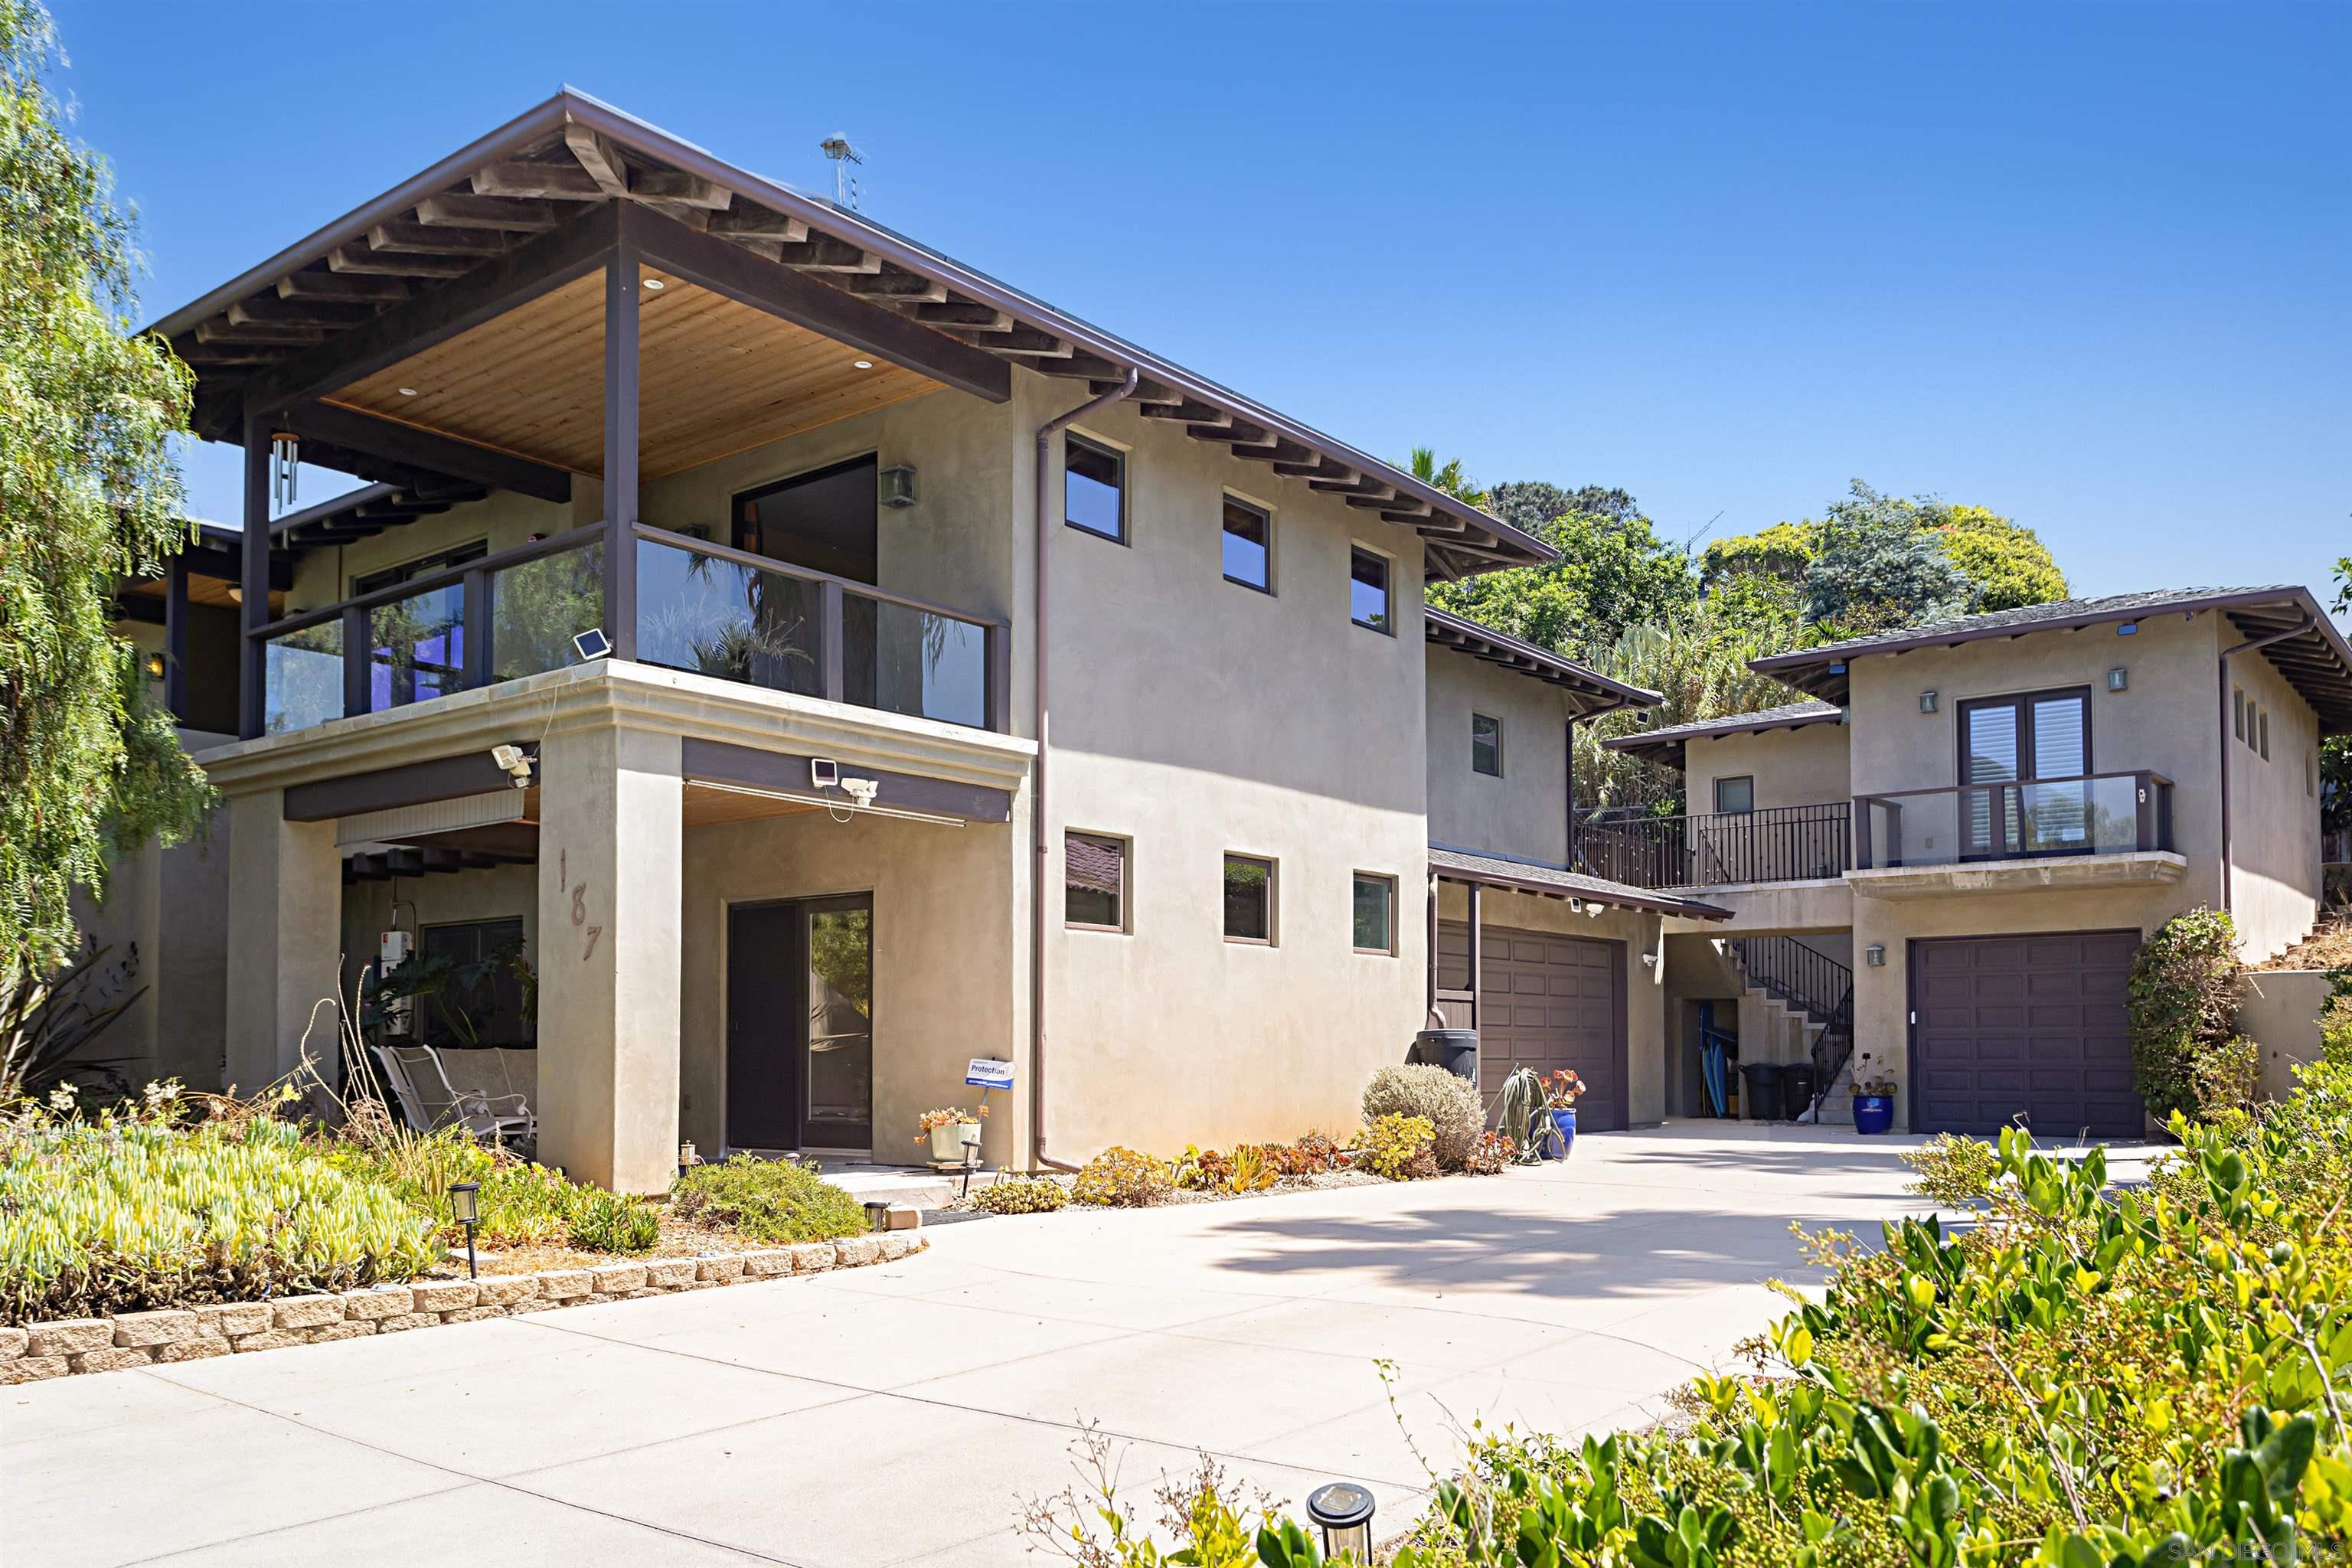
(724, 268)
(343, 286)
(428, 239)
(537, 182)
(429, 449)
(459, 209)
(370, 262)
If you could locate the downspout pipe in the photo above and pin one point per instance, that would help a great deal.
(2228, 876)
(1039, 837)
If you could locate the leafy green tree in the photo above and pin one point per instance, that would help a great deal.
(1448, 477)
(1695, 656)
(1610, 575)
(1529, 504)
(2010, 565)
(88, 493)
(1876, 569)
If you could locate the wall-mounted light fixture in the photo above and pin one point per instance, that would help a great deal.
(156, 666)
(2119, 679)
(1874, 956)
(896, 485)
(1927, 700)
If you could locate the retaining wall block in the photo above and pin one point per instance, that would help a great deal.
(559, 1284)
(230, 1320)
(110, 1359)
(767, 1265)
(473, 1314)
(613, 1279)
(69, 1336)
(306, 1312)
(197, 1349)
(811, 1256)
(326, 1333)
(32, 1369)
(137, 1330)
(407, 1320)
(722, 1267)
(855, 1251)
(12, 1342)
(378, 1301)
(445, 1295)
(669, 1273)
(269, 1340)
(504, 1290)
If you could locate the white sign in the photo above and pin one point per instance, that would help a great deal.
(987, 1072)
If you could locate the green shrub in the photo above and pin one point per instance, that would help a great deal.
(1123, 1178)
(1020, 1194)
(521, 1204)
(612, 1222)
(2086, 1378)
(2336, 1028)
(2183, 999)
(1448, 1103)
(1400, 1147)
(768, 1200)
(125, 1216)
(1955, 1171)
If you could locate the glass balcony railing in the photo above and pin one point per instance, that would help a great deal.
(2098, 814)
(700, 607)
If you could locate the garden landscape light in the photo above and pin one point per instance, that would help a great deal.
(466, 1209)
(1344, 1511)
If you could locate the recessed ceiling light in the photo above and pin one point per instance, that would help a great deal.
(655, 284)
(408, 392)
(863, 363)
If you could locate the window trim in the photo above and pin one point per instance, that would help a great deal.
(1474, 768)
(1126, 926)
(2263, 722)
(1096, 444)
(1747, 779)
(1227, 497)
(1387, 586)
(393, 574)
(2238, 704)
(2028, 760)
(1389, 881)
(1273, 898)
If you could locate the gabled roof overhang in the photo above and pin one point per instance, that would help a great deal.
(468, 215)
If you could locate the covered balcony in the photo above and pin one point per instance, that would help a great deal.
(2097, 830)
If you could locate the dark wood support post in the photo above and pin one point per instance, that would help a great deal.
(621, 450)
(832, 678)
(1478, 954)
(253, 664)
(358, 697)
(478, 630)
(175, 639)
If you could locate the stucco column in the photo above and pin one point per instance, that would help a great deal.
(610, 846)
(284, 927)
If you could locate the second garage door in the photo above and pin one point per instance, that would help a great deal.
(2026, 1029)
(1547, 1002)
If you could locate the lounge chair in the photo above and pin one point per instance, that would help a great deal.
(430, 1102)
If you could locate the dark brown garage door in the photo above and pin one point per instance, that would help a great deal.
(1546, 1001)
(2025, 1029)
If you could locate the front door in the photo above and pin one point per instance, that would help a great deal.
(800, 1025)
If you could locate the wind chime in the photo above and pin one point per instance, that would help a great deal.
(285, 462)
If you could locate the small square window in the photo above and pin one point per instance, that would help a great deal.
(2237, 710)
(1249, 537)
(1094, 488)
(1375, 913)
(2263, 722)
(1735, 796)
(1249, 898)
(1094, 882)
(1485, 745)
(1367, 589)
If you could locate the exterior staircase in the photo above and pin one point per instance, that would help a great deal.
(1819, 989)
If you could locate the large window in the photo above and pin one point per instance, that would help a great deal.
(1367, 589)
(1249, 541)
(1094, 882)
(2020, 745)
(1735, 796)
(1094, 488)
(1375, 912)
(1485, 745)
(470, 985)
(1249, 898)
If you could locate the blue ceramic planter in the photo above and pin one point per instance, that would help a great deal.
(1874, 1112)
(1562, 1140)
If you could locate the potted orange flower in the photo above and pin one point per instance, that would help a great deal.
(950, 1129)
(1561, 1090)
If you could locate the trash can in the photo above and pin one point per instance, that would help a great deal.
(1797, 1085)
(1760, 1089)
(1455, 1050)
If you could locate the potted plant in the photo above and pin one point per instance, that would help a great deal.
(1561, 1090)
(1874, 1098)
(945, 1130)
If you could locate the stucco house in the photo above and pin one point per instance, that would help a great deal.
(828, 665)
(1947, 854)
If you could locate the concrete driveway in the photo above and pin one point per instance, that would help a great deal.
(896, 1415)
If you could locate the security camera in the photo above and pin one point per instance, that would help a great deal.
(515, 760)
(862, 791)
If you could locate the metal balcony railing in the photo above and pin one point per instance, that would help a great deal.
(2095, 813)
(1779, 843)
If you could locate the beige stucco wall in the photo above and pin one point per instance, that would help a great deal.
(500, 521)
(1524, 814)
(2279, 1010)
(1645, 995)
(2273, 815)
(1194, 716)
(1792, 767)
(947, 943)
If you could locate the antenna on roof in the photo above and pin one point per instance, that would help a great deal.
(845, 188)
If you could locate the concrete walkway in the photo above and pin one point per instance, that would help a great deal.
(897, 1414)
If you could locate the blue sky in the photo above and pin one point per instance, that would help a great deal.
(2086, 266)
